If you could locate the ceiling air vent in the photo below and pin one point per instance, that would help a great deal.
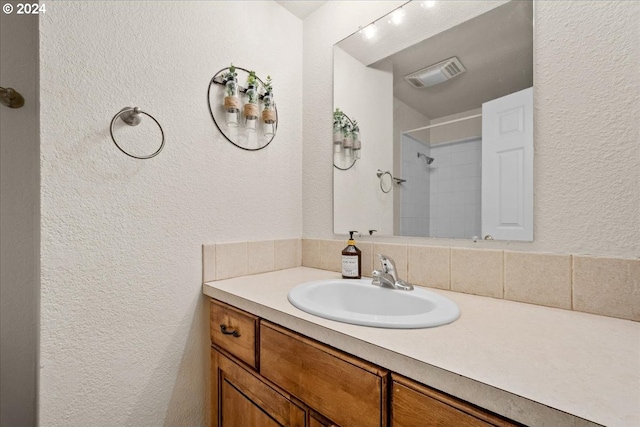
(436, 73)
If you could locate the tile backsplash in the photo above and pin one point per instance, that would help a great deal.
(227, 260)
(605, 286)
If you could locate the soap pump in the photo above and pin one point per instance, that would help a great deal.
(351, 260)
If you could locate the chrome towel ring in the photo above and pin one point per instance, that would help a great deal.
(380, 174)
(131, 116)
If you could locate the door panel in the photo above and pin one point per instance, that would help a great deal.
(239, 411)
(240, 398)
(507, 167)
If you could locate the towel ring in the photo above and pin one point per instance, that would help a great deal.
(131, 116)
(381, 175)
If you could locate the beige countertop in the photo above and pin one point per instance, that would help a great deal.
(537, 365)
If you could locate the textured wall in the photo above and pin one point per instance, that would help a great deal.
(124, 325)
(326, 26)
(19, 231)
(587, 154)
(359, 186)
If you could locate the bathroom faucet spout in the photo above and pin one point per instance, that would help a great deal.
(388, 276)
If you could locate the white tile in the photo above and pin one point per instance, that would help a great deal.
(470, 184)
(478, 169)
(458, 172)
(457, 233)
(470, 157)
(469, 171)
(457, 147)
(458, 184)
(457, 210)
(443, 160)
(458, 159)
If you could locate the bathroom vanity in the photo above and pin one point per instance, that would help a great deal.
(263, 374)
(502, 363)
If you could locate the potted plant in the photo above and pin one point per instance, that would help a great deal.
(347, 142)
(355, 132)
(231, 99)
(269, 112)
(338, 136)
(251, 107)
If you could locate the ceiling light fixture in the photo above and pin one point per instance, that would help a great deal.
(397, 16)
(369, 31)
(428, 4)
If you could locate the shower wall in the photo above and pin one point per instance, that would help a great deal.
(455, 182)
(414, 193)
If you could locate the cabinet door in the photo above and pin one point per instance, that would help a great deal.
(347, 390)
(415, 405)
(317, 420)
(240, 399)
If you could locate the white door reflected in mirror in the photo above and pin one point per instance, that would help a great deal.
(507, 167)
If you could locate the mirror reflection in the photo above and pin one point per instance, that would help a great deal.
(444, 101)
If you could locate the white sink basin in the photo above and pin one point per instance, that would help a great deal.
(361, 303)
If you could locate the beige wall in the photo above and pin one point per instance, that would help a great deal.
(19, 215)
(404, 117)
(124, 324)
(587, 156)
(355, 95)
(123, 319)
(465, 129)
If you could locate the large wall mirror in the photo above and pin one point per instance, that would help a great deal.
(442, 93)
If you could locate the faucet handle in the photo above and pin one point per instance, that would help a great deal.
(388, 265)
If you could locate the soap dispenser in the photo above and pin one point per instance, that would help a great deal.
(351, 260)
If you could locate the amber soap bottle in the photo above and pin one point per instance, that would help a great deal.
(351, 260)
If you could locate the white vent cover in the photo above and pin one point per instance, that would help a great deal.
(437, 73)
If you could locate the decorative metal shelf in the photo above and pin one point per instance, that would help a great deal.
(237, 136)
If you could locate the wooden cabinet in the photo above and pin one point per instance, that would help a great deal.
(234, 331)
(416, 405)
(346, 389)
(240, 398)
(266, 375)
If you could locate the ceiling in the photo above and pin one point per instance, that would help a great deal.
(301, 9)
(496, 48)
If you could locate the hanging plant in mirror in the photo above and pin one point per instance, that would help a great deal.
(251, 107)
(248, 133)
(269, 112)
(346, 141)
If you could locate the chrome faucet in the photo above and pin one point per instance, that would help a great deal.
(387, 277)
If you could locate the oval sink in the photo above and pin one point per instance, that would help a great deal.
(359, 302)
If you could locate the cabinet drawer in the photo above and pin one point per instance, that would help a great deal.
(415, 405)
(345, 389)
(234, 331)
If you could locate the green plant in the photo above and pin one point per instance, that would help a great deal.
(229, 79)
(231, 74)
(347, 127)
(355, 126)
(268, 85)
(338, 118)
(252, 80)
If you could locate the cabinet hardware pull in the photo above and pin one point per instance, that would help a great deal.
(226, 331)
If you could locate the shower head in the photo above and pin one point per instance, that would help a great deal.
(428, 159)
